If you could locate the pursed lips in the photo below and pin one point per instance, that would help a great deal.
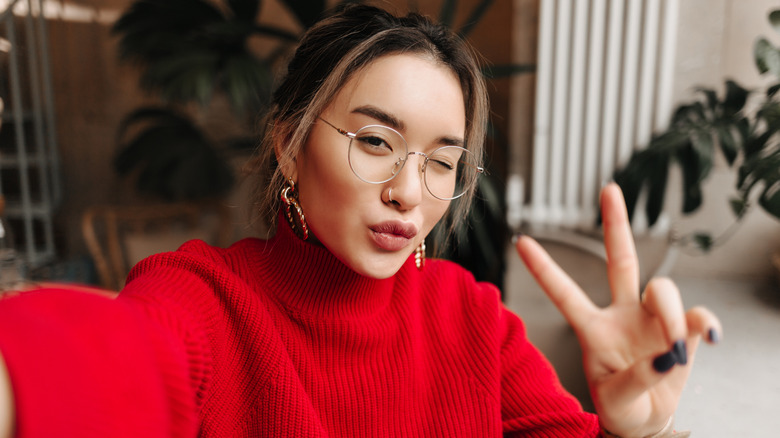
(393, 235)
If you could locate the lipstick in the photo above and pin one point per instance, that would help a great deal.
(393, 235)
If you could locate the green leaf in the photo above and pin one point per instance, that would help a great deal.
(275, 32)
(506, 70)
(170, 157)
(670, 140)
(743, 128)
(632, 176)
(710, 95)
(771, 91)
(774, 19)
(767, 57)
(736, 96)
(447, 13)
(692, 192)
(770, 113)
(759, 168)
(308, 12)
(245, 10)
(738, 206)
(657, 188)
(728, 144)
(756, 144)
(705, 152)
(703, 241)
(247, 82)
(190, 76)
(770, 199)
(475, 17)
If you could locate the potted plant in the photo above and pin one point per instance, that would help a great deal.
(189, 51)
(744, 125)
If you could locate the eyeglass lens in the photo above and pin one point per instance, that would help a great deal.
(377, 154)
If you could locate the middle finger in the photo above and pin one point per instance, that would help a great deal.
(622, 261)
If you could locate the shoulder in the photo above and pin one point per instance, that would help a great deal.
(195, 269)
(197, 255)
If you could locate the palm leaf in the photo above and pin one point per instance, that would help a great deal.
(506, 70)
(447, 13)
(475, 17)
(308, 12)
(171, 157)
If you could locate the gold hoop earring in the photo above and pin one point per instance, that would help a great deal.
(419, 255)
(290, 198)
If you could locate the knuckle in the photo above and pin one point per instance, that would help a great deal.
(662, 286)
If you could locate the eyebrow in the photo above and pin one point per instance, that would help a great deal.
(395, 123)
(381, 116)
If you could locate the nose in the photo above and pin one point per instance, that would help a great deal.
(407, 185)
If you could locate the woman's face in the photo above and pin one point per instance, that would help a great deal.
(354, 219)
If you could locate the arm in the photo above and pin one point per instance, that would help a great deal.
(93, 366)
(532, 398)
(637, 352)
(6, 402)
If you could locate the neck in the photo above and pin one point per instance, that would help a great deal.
(307, 278)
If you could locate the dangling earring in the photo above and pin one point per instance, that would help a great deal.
(290, 199)
(419, 255)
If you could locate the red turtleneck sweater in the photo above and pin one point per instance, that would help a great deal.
(278, 338)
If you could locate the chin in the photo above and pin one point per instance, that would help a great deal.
(378, 269)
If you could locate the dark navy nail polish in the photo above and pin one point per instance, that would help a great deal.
(664, 362)
(680, 351)
(713, 335)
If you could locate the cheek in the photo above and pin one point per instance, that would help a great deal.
(434, 211)
(326, 184)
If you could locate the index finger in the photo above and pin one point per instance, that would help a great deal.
(622, 261)
(567, 296)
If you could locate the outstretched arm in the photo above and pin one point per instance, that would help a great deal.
(639, 350)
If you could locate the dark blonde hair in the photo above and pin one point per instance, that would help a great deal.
(329, 54)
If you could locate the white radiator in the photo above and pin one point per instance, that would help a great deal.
(604, 83)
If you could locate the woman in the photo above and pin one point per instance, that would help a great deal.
(338, 326)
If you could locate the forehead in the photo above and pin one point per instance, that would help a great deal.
(414, 88)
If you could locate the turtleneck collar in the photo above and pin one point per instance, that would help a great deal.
(308, 279)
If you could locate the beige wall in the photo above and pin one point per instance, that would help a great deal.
(715, 43)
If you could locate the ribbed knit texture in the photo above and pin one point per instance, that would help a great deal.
(278, 338)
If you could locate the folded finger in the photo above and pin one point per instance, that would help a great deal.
(662, 300)
(627, 385)
(703, 322)
(567, 296)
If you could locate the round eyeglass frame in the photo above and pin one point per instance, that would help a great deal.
(353, 135)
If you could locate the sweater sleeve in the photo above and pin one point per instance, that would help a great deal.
(533, 401)
(87, 365)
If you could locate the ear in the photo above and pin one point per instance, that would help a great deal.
(281, 141)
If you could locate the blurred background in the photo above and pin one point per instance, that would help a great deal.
(127, 126)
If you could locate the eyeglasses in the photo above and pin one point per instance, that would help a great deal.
(378, 153)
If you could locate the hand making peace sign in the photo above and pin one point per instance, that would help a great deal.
(637, 352)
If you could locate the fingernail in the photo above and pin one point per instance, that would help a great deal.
(713, 335)
(680, 351)
(516, 237)
(664, 362)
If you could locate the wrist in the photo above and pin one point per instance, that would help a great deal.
(666, 432)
